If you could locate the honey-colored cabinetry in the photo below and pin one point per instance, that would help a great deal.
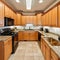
(48, 53)
(1, 14)
(54, 16)
(5, 49)
(54, 56)
(28, 35)
(39, 18)
(18, 19)
(33, 35)
(29, 20)
(7, 11)
(43, 47)
(43, 20)
(49, 18)
(20, 35)
(46, 19)
(58, 15)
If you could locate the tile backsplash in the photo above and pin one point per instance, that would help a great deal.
(53, 29)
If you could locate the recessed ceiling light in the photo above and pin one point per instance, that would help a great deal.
(17, 1)
(40, 1)
(28, 4)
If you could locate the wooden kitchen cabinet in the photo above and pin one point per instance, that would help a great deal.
(50, 17)
(5, 49)
(39, 18)
(18, 19)
(47, 52)
(45, 49)
(33, 35)
(29, 20)
(54, 56)
(54, 16)
(43, 20)
(28, 35)
(20, 35)
(6, 11)
(1, 14)
(59, 15)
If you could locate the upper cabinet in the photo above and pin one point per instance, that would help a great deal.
(1, 14)
(58, 15)
(50, 18)
(43, 20)
(8, 12)
(39, 18)
(54, 16)
(18, 19)
(29, 20)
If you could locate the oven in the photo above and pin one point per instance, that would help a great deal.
(14, 42)
(8, 32)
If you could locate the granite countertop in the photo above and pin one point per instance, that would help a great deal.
(56, 49)
(4, 38)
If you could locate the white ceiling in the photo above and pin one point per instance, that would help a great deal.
(36, 6)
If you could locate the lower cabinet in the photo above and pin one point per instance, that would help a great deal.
(28, 35)
(5, 49)
(48, 53)
(54, 56)
(20, 35)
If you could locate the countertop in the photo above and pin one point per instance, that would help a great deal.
(4, 38)
(56, 49)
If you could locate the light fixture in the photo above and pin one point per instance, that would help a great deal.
(28, 4)
(40, 1)
(17, 1)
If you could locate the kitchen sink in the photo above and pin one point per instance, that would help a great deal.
(53, 42)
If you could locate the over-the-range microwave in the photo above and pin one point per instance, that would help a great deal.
(8, 21)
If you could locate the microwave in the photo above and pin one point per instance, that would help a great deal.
(8, 21)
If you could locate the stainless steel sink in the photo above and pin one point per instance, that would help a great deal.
(53, 42)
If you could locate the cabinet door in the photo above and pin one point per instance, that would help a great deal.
(18, 21)
(7, 48)
(1, 14)
(54, 56)
(33, 35)
(39, 18)
(54, 16)
(59, 15)
(26, 35)
(49, 14)
(20, 35)
(47, 52)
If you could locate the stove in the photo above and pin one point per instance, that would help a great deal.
(8, 32)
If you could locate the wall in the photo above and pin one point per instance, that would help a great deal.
(53, 29)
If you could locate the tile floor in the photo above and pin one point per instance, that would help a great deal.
(27, 51)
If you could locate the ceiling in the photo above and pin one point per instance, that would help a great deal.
(36, 6)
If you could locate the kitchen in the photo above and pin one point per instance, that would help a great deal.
(29, 30)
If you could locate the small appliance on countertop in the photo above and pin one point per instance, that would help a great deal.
(46, 30)
(59, 38)
(41, 29)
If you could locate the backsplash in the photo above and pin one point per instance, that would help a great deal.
(53, 29)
